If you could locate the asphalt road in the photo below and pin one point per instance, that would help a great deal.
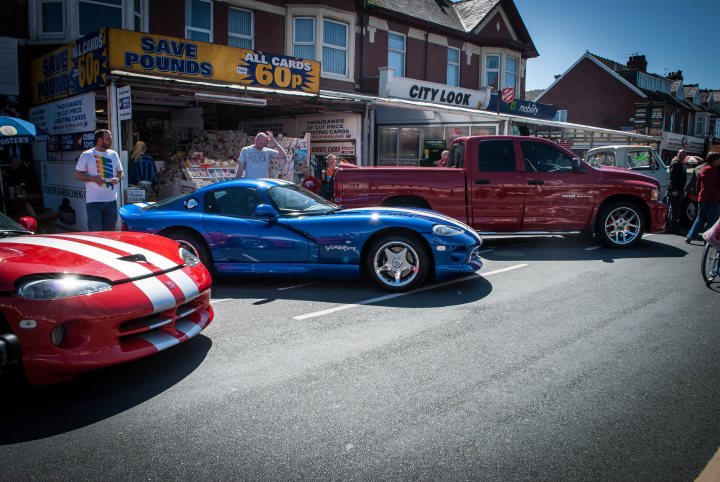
(560, 360)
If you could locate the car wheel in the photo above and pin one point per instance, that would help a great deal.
(195, 244)
(688, 211)
(620, 225)
(397, 262)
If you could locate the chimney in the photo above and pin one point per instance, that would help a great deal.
(675, 75)
(637, 62)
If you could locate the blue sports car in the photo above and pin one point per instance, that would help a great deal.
(263, 226)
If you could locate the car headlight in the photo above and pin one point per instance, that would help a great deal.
(53, 288)
(444, 230)
(188, 258)
(655, 195)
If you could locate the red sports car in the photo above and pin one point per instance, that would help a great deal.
(70, 303)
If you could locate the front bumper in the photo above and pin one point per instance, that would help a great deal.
(658, 217)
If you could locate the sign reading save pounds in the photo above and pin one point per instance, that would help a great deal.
(174, 57)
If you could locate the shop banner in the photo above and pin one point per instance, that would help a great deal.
(334, 127)
(124, 99)
(71, 115)
(175, 57)
(404, 88)
(523, 108)
(674, 142)
(337, 148)
(80, 66)
(156, 98)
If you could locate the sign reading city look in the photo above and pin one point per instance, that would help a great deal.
(80, 66)
(174, 57)
(404, 88)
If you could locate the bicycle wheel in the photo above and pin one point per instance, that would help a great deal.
(710, 263)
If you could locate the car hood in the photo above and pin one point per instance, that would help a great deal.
(619, 174)
(115, 256)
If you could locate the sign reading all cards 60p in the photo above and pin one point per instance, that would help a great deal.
(278, 71)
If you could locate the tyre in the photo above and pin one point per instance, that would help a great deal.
(710, 263)
(620, 225)
(195, 244)
(397, 262)
(688, 211)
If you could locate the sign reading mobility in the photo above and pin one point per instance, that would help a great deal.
(174, 57)
(524, 108)
(80, 66)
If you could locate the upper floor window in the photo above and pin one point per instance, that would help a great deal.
(51, 18)
(453, 66)
(334, 49)
(95, 14)
(699, 125)
(672, 122)
(492, 71)
(511, 72)
(198, 20)
(240, 28)
(396, 53)
(139, 23)
(304, 37)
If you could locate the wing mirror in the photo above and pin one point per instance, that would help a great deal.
(266, 211)
(29, 223)
(577, 165)
(191, 203)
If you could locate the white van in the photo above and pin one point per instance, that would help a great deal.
(642, 159)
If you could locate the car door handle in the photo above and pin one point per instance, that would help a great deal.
(535, 182)
(482, 181)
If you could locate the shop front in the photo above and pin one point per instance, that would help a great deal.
(195, 106)
(671, 143)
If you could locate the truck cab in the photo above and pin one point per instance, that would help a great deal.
(641, 159)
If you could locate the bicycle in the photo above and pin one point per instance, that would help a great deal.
(710, 263)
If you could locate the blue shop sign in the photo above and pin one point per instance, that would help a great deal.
(523, 108)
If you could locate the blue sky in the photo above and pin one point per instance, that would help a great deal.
(563, 30)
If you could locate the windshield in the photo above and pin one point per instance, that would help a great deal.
(292, 199)
(7, 225)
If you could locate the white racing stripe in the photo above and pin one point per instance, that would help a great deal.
(159, 294)
(160, 340)
(397, 295)
(185, 283)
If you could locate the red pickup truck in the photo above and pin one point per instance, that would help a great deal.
(516, 184)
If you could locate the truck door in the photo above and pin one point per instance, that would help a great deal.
(557, 197)
(496, 186)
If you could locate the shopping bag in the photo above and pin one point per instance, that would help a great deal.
(712, 235)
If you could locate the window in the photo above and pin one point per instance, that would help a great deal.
(602, 159)
(672, 122)
(399, 146)
(198, 20)
(496, 156)
(240, 28)
(541, 157)
(511, 72)
(396, 53)
(699, 125)
(334, 49)
(139, 9)
(638, 160)
(453, 66)
(561, 115)
(235, 202)
(492, 71)
(457, 155)
(51, 19)
(95, 14)
(304, 37)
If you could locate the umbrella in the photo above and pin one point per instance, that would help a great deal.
(17, 131)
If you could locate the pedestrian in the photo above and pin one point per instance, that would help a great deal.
(142, 166)
(708, 189)
(327, 178)
(254, 161)
(443, 161)
(100, 169)
(676, 189)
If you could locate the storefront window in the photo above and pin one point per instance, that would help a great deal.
(492, 71)
(240, 28)
(198, 16)
(453, 66)
(52, 18)
(433, 132)
(511, 71)
(334, 49)
(304, 37)
(396, 53)
(453, 132)
(483, 130)
(388, 144)
(92, 15)
(409, 143)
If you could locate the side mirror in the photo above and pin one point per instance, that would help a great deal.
(28, 223)
(577, 165)
(191, 203)
(266, 211)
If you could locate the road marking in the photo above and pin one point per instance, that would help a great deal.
(711, 472)
(397, 295)
(297, 286)
(593, 248)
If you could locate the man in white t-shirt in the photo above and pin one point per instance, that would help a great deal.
(101, 171)
(254, 161)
